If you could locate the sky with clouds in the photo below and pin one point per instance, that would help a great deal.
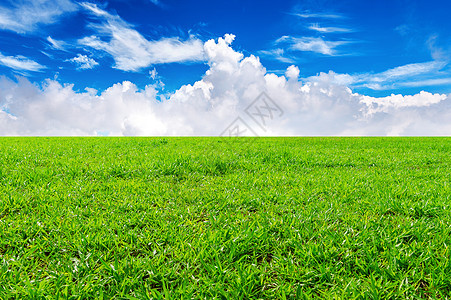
(166, 67)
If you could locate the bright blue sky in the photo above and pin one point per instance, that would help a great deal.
(384, 47)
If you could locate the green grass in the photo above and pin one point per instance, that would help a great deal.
(245, 218)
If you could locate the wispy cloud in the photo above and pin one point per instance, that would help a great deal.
(409, 75)
(277, 54)
(312, 44)
(132, 51)
(20, 63)
(428, 82)
(402, 29)
(25, 16)
(286, 45)
(83, 62)
(318, 28)
(408, 70)
(57, 44)
(307, 14)
(429, 73)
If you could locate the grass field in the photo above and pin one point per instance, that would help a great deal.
(244, 218)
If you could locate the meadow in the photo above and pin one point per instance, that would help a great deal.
(225, 218)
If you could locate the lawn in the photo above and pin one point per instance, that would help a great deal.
(225, 218)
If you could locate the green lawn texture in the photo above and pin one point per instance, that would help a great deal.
(225, 218)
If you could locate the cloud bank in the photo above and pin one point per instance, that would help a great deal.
(323, 105)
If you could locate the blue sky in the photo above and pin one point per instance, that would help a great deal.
(370, 40)
(349, 67)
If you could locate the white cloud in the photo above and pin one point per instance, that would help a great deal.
(427, 82)
(57, 44)
(292, 72)
(277, 54)
(132, 51)
(312, 44)
(384, 104)
(153, 73)
(307, 14)
(408, 70)
(402, 29)
(409, 75)
(318, 28)
(323, 106)
(20, 63)
(25, 16)
(84, 62)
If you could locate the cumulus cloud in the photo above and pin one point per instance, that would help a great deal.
(230, 90)
(25, 16)
(20, 63)
(292, 72)
(132, 51)
(84, 62)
